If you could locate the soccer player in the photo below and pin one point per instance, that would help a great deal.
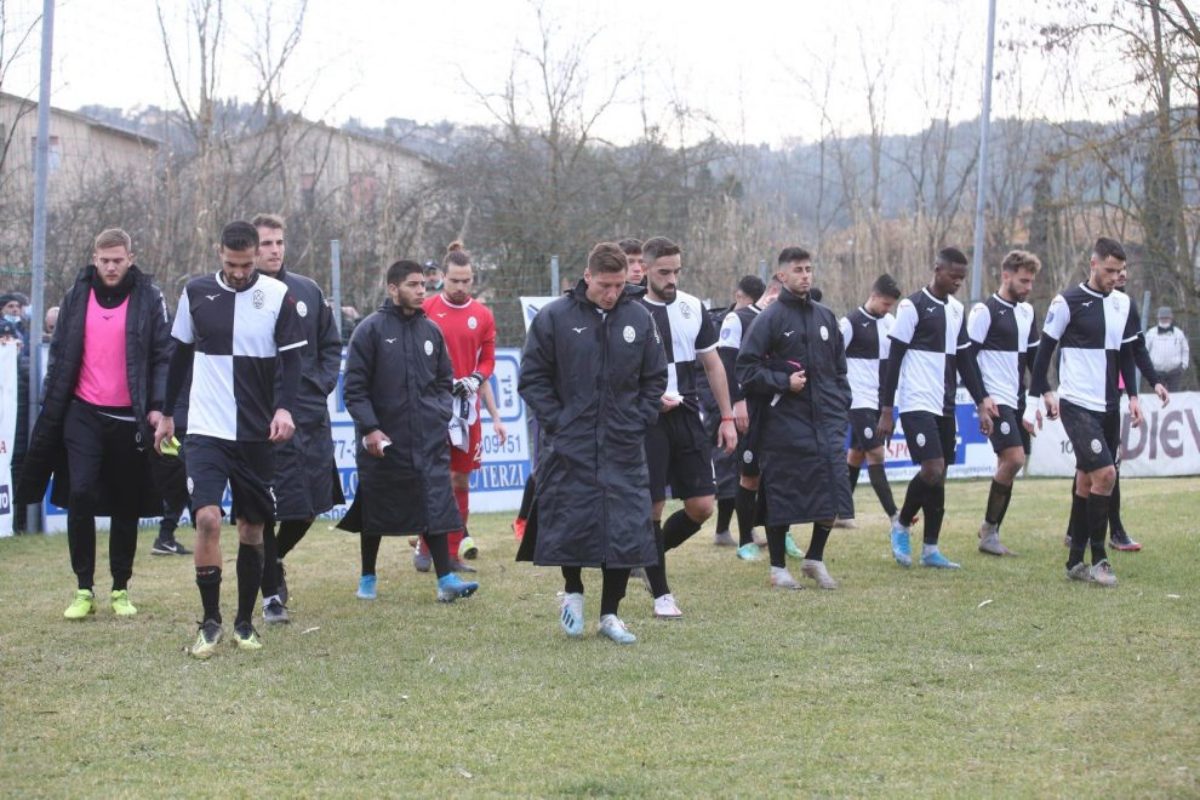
(306, 477)
(593, 372)
(470, 332)
(929, 345)
(632, 248)
(398, 391)
(865, 338)
(102, 398)
(233, 330)
(1003, 331)
(794, 356)
(677, 448)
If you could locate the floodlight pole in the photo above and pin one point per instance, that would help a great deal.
(985, 118)
(335, 268)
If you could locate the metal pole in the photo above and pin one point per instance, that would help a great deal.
(764, 270)
(985, 118)
(41, 165)
(335, 262)
(554, 279)
(1145, 316)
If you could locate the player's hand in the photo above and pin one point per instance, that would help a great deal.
(1135, 412)
(987, 413)
(164, 431)
(1051, 401)
(1032, 426)
(1162, 393)
(670, 401)
(796, 381)
(886, 425)
(282, 426)
(375, 441)
(500, 430)
(727, 436)
(741, 416)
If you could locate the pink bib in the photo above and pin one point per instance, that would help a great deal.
(103, 380)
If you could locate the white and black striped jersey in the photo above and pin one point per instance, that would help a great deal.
(685, 330)
(934, 331)
(237, 334)
(733, 329)
(865, 337)
(1005, 333)
(1090, 329)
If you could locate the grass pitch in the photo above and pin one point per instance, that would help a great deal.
(999, 680)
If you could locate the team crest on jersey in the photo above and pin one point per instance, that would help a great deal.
(824, 334)
(259, 298)
(428, 347)
(1096, 446)
(920, 440)
(629, 334)
(301, 308)
(472, 323)
(1005, 428)
(685, 311)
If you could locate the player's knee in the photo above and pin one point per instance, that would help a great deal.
(208, 521)
(933, 472)
(749, 482)
(854, 457)
(1102, 480)
(875, 457)
(699, 508)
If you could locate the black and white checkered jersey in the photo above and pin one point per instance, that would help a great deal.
(685, 330)
(734, 326)
(865, 337)
(1005, 333)
(1090, 328)
(236, 334)
(934, 331)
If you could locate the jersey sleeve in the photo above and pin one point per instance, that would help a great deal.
(182, 329)
(1034, 334)
(906, 322)
(706, 337)
(885, 341)
(1133, 328)
(487, 347)
(979, 322)
(847, 331)
(288, 332)
(1057, 318)
(731, 332)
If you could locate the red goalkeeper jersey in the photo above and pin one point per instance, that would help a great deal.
(470, 331)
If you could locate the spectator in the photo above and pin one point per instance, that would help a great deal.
(9, 336)
(49, 324)
(12, 309)
(1168, 348)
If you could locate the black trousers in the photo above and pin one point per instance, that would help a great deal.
(103, 458)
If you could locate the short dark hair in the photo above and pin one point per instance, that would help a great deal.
(951, 255)
(752, 286)
(239, 236)
(885, 286)
(608, 258)
(789, 255)
(400, 270)
(272, 221)
(1108, 248)
(631, 246)
(657, 247)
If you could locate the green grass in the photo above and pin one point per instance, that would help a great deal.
(899, 684)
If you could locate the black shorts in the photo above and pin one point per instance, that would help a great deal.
(748, 461)
(930, 436)
(248, 467)
(864, 429)
(1007, 430)
(678, 453)
(1095, 435)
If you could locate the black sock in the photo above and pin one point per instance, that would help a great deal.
(572, 580)
(935, 510)
(678, 528)
(854, 470)
(745, 505)
(914, 499)
(777, 545)
(270, 572)
(1097, 523)
(816, 545)
(368, 549)
(208, 579)
(249, 579)
(883, 489)
(1077, 529)
(291, 531)
(657, 574)
(1114, 508)
(439, 552)
(724, 513)
(997, 503)
(615, 581)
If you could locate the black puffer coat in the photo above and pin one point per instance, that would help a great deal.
(398, 379)
(803, 444)
(147, 352)
(594, 383)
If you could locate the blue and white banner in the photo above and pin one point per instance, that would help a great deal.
(973, 456)
(9, 400)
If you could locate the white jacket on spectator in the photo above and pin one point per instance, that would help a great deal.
(1169, 349)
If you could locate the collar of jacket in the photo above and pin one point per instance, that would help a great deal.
(389, 307)
(800, 301)
(631, 291)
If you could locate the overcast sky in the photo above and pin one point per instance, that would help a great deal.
(761, 71)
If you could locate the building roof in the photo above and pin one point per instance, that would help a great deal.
(91, 122)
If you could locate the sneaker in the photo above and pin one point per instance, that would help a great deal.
(989, 541)
(467, 549)
(83, 604)
(611, 627)
(450, 587)
(461, 566)
(724, 539)
(283, 590)
(1080, 572)
(518, 529)
(1102, 574)
(849, 523)
(901, 551)
(666, 608)
(1120, 541)
(749, 552)
(935, 559)
(760, 539)
(422, 562)
(168, 547)
(207, 639)
(817, 571)
(121, 605)
(245, 637)
(275, 612)
(366, 588)
(571, 615)
(792, 550)
(782, 579)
